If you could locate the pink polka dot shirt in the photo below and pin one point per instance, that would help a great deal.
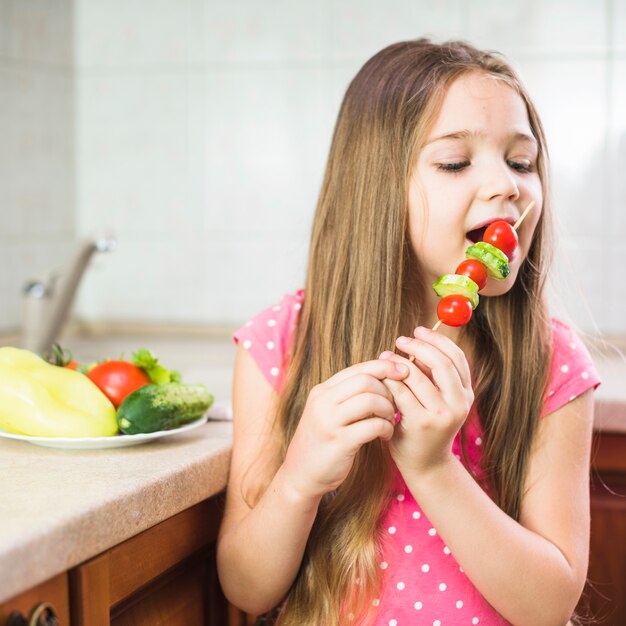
(422, 581)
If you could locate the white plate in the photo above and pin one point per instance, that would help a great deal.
(95, 443)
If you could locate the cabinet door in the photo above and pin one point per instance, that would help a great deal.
(53, 591)
(605, 595)
(177, 599)
(165, 575)
(604, 599)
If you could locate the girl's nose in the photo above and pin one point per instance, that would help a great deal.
(498, 182)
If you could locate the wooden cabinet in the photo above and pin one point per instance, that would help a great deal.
(604, 599)
(164, 576)
(54, 592)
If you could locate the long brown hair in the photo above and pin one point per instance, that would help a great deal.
(362, 292)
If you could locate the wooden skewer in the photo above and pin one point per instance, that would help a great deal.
(522, 217)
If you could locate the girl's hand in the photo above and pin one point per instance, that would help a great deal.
(350, 409)
(433, 400)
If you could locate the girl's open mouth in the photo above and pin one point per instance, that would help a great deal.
(476, 235)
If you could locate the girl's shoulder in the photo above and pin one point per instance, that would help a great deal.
(267, 336)
(572, 371)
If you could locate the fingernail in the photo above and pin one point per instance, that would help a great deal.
(387, 354)
(422, 330)
(403, 369)
(403, 340)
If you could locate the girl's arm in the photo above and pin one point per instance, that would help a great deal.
(260, 549)
(532, 572)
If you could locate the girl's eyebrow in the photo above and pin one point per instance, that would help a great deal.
(467, 134)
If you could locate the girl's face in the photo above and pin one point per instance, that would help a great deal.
(478, 165)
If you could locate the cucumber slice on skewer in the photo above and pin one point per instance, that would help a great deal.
(450, 284)
(496, 262)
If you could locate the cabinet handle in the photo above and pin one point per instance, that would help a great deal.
(16, 619)
(43, 614)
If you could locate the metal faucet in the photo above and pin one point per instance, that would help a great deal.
(47, 302)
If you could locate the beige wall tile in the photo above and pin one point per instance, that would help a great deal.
(361, 28)
(617, 151)
(37, 212)
(266, 141)
(271, 32)
(536, 28)
(618, 34)
(41, 32)
(576, 292)
(571, 98)
(136, 139)
(127, 34)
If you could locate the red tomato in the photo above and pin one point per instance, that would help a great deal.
(501, 235)
(72, 365)
(454, 310)
(117, 379)
(475, 270)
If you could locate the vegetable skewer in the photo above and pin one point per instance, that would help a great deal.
(488, 257)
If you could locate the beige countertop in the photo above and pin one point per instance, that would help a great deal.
(59, 508)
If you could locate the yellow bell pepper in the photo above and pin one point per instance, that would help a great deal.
(44, 400)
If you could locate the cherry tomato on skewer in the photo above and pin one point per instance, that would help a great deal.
(501, 235)
(454, 310)
(475, 270)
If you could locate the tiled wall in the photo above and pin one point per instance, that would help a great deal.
(202, 127)
(37, 204)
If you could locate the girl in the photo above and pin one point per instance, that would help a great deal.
(448, 488)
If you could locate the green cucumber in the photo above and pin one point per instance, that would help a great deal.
(494, 260)
(449, 284)
(162, 407)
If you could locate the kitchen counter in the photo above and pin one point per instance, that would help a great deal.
(59, 508)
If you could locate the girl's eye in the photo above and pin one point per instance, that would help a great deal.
(521, 166)
(452, 167)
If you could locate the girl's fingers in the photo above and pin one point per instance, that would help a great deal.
(404, 399)
(366, 406)
(417, 383)
(367, 430)
(376, 368)
(357, 384)
(450, 349)
(445, 374)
